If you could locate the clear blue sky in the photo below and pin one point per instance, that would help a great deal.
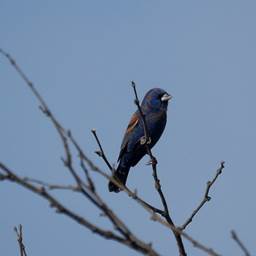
(82, 57)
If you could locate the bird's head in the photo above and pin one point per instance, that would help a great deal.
(156, 99)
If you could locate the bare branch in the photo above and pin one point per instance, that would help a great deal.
(101, 153)
(3, 177)
(88, 190)
(127, 237)
(155, 176)
(45, 109)
(19, 234)
(206, 197)
(239, 243)
(195, 243)
(87, 175)
(129, 240)
(52, 186)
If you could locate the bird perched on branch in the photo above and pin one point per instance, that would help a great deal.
(154, 108)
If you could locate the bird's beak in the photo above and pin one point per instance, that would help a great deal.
(166, 97)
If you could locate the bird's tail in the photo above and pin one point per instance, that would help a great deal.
(120, 175)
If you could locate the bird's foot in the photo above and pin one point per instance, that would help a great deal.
(143, 140)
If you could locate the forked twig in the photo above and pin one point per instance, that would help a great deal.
(206, 197)
(19, 234)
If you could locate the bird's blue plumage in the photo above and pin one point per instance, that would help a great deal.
(154, 107)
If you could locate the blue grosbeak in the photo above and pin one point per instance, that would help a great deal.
(154, 108)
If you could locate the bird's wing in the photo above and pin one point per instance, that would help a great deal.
(130, 128)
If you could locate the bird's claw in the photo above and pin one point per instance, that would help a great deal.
(144, 140)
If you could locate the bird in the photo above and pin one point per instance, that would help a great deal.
(154, 108)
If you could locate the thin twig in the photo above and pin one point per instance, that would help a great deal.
(240, 243)
(206, 197)
(52, 186)
(155, 176)
(146, 133)
(19, 234)
(101, 153)
(87, 175)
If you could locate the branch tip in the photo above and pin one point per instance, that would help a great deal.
(235, 237)
(19, 235)
(206, 197)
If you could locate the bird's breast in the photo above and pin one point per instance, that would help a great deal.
(156, 123)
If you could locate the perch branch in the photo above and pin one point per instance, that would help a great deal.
(155, 176)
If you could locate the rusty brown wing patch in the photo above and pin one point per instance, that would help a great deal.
(133, 122)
